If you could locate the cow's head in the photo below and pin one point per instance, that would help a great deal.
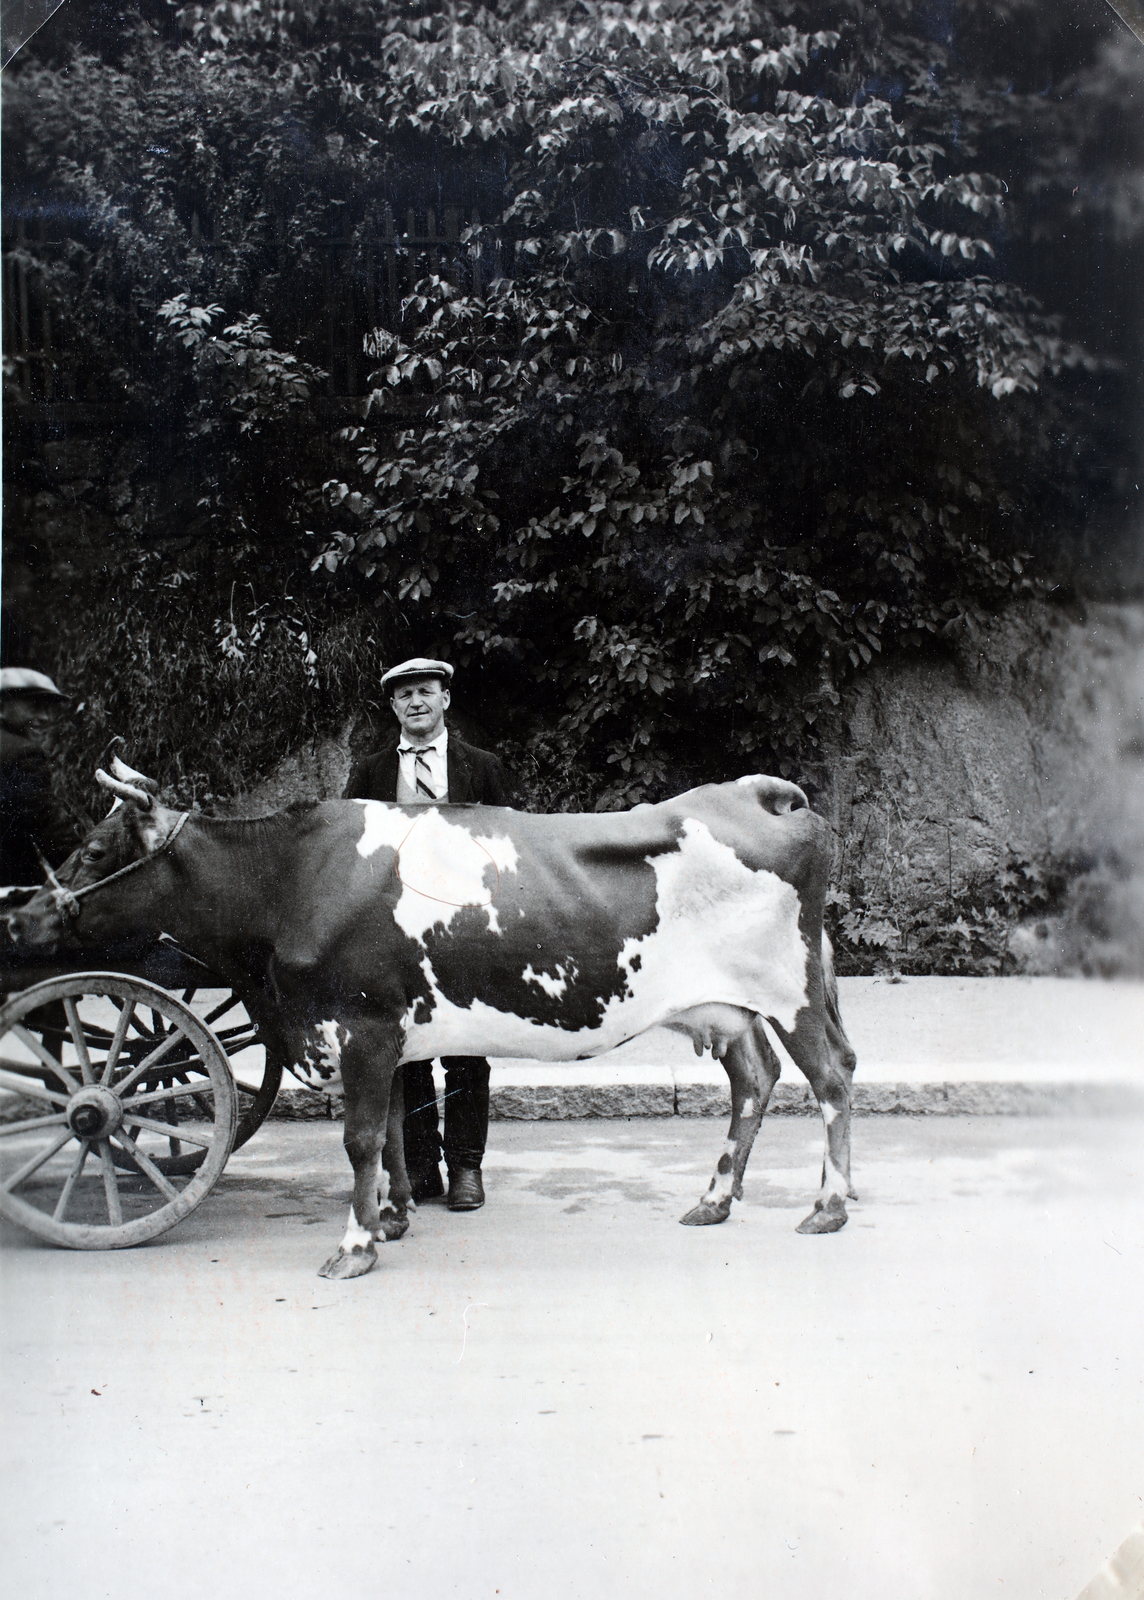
(63, 915)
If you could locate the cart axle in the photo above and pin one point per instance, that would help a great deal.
(94, 1113)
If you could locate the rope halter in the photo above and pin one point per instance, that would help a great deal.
(66, 901)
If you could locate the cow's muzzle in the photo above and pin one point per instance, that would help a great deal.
(29, 934)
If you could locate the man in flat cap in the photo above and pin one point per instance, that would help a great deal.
(428, 765)
(31, 818)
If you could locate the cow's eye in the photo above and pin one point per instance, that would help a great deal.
(94, 852)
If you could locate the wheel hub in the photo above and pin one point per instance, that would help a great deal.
(94, 1113)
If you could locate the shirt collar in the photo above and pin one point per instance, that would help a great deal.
(439, 746)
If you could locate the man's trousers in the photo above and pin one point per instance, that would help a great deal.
(466, 1113)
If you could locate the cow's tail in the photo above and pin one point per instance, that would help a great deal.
(836, 1034)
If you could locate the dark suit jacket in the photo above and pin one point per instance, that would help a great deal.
(476, 777)
(30, 814)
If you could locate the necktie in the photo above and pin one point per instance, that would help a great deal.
(422, 773)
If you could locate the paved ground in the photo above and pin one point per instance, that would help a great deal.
(567, 1395)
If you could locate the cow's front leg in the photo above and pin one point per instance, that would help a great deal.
(395, 1212)
(368, 1063)
(753, 1069)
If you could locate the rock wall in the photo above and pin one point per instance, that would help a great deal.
(1024, 746)
(316, 771)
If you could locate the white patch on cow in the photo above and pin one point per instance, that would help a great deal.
(725, 935)
(502, 850)
(156, 832)
(835, 1183)
(554, 988)
(442, 867)
(750, 777)
(356, 1236)
(723, 1183)
(320, 1066)
(329, 1048)
(381, 825)
(829, 1112)
(748, 1107)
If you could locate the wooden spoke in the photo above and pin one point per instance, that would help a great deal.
(45, 1055)
(170, 1110)
(167, 1190)
(117, 1038)
(36, 1162)
(73, 1178)
(30, 1124)
(25, 1085)
(150, 1061)
(78, 1040)
(110, 1184)
(237, 1038)
(95, 1035)
(170, 1091)
(141, 1028)
(174, 1131)
(180, 1068)
(221, 1010)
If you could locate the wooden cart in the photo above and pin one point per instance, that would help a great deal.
(122, 1095)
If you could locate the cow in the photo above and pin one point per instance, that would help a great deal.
(362, 934)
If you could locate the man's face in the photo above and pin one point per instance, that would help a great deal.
(32, 716)
(419, 704)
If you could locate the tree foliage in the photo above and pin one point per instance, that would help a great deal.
(740, 385)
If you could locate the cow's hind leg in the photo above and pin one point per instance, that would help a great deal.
(368, 1061)
(753, 1069)
(838, 1046)
(830, 1081)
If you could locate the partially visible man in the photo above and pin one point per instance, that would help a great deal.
(31, 818)
(428, 765)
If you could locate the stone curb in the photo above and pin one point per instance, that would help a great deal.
(566, 1102)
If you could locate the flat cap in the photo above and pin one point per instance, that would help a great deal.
(23, 680)
(417, 667)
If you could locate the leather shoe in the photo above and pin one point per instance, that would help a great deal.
(466, 1191)
(426, 1184)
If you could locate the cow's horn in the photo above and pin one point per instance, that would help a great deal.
(125, 791)
(127, 774)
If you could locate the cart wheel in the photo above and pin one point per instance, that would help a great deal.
(257, 1074)
(103, 1081)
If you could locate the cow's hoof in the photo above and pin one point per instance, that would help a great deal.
(826, 1218)
(851, 1193)
(703, 1215)
(353, 1263)
(392, 1225)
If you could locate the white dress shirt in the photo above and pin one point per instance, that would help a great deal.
(437, 756)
